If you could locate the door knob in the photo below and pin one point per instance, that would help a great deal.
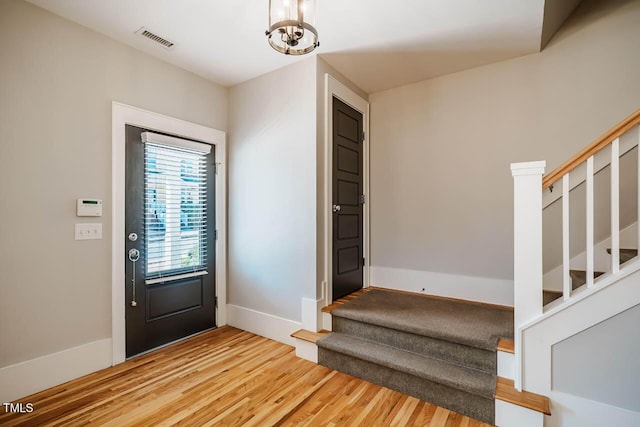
(134, 255)
(336, 208)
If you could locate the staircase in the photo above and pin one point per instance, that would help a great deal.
(579, 277)
(593, 293)
(450, 352)
(438, 350)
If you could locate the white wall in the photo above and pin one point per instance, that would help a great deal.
(272, 198)
(442, 194)
(57, 81)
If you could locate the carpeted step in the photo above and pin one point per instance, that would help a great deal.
(471, 324)
(461, 354)
(437, 349)
(625, 254)
(579, 277)
(464, 390)
(550, 296)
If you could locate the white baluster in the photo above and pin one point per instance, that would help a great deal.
(566, 277)
(615, 206)
(590, 222)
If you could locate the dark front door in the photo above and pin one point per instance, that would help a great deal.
(348, 251)
(170, 241)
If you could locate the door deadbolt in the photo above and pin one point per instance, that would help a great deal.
(133, 237)
(336, 208)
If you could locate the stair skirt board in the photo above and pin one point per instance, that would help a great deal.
(460, 354)
(471, 405)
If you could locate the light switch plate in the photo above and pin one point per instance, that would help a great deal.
(88, 231)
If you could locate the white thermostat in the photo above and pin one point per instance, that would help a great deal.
(89, 207)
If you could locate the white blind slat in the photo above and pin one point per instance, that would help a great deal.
(175, 206)
(170, 141)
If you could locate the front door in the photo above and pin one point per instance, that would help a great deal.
(348, 139)
(170, 239)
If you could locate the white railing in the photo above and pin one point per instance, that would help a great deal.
(528, 245)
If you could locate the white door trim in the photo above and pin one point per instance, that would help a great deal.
(124, 114)
(334, 88)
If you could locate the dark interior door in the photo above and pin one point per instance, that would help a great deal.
(348, 198)
(169, 219)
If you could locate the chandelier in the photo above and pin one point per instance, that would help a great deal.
(291, 26)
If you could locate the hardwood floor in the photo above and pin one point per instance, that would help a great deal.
(226, 377)
(347, 298)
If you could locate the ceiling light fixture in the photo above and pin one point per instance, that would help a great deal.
(291, 26)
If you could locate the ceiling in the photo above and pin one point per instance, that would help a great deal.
(377, 44)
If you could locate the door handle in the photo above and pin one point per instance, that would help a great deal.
(134, 255)
(336, 208)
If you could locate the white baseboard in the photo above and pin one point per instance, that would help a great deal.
(327, 321)
(306, 350)
(482, 289)
(510, 415)
(312, 314)
(572, 411)
(263, 324)
(41, 373)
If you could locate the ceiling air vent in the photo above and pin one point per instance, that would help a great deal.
(154, 37)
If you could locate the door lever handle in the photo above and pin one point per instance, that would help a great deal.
(336, 208)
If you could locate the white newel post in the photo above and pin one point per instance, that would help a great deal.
(527, 269)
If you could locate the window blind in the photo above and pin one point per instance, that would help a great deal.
(175, 208)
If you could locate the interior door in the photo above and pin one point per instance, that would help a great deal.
(170, 239)
(348, 138)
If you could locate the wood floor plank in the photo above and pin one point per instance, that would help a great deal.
(226, 377)
(424, 416)
(440, 417)
(405, 412)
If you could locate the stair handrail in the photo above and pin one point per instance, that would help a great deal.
(591, 149)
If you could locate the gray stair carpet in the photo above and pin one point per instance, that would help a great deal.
(625, 254)
(441, 351)
(578, 278)
(550, 296)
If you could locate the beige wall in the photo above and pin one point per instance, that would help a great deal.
(276, 188)
(441, 186)
(57, 82)
(556, 13)
(272, 202)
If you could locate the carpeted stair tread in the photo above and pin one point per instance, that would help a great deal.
(625, 254)
(579, 277)
(475, 325)
(550, 296)
(472, 357)
(435, 370)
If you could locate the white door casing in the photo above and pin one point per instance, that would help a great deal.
(122, 115)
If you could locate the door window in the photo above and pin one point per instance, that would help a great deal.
(175, 210)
